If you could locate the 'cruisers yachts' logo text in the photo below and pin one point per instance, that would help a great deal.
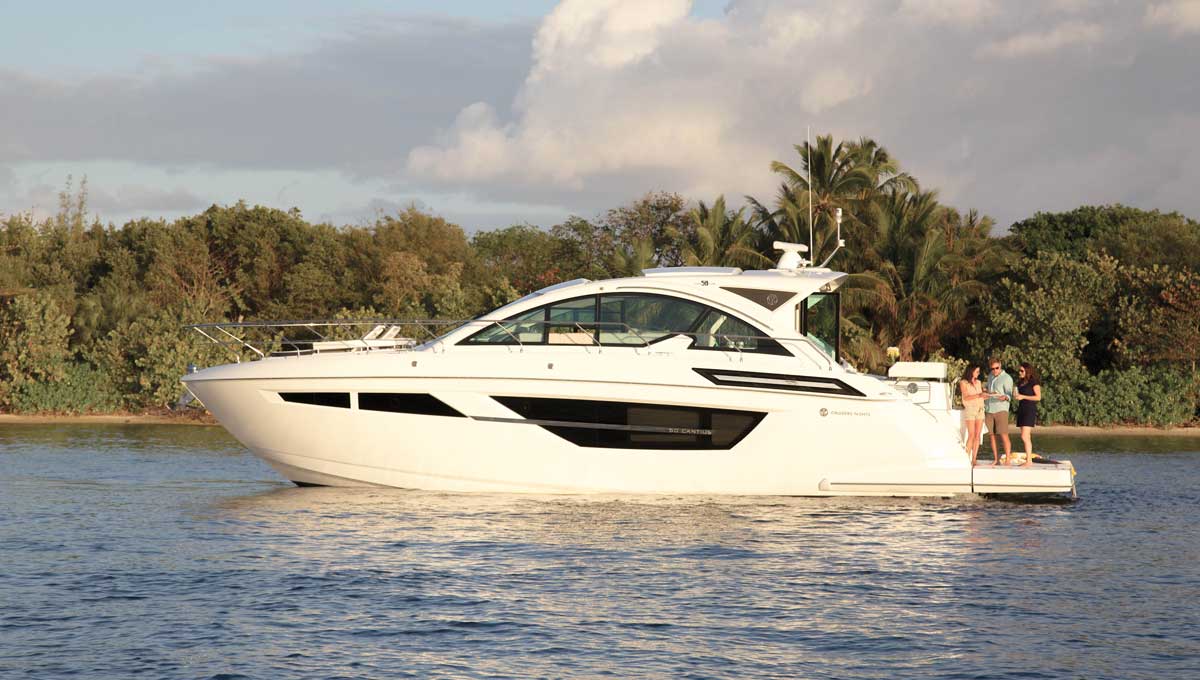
(857, 414)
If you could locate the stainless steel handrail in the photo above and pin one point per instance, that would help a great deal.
(279, 334)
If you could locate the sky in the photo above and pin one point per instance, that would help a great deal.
(527, 111)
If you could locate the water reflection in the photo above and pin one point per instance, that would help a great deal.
(115, 537)
(771, 571)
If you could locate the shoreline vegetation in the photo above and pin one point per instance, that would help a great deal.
(197, 418)
(1103, 300)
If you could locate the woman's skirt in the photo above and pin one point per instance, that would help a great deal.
(1026, 415)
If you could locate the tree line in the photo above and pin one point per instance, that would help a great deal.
(1103, 300)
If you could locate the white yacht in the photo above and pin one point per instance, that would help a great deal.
(680, 381)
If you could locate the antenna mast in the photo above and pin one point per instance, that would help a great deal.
(838, 245)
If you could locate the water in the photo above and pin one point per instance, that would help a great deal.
(170, 552)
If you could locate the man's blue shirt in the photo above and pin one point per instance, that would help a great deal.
(1000, 384)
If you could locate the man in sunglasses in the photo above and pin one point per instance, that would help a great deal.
(995, 410)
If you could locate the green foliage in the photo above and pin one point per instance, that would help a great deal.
(1069, 232)
(1154, 239)
(146, 358)
(33, 344)
(407, 289)
(918, 269)
(1041, 313)
(91, 316)
(658, 218)
(630, 259)
(1078, 232)
(850, 176)
(919, 289)
(525, 256)
(719, 237)
(1157, 317)
(1159, 395)
(119, 297)
(587, 249)
(82, 389)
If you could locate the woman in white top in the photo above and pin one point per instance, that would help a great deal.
(972, 398)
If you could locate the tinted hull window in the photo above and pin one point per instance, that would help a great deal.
(334, 399)
(620, 425)
(419, 404)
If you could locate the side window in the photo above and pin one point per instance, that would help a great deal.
(821, 323)
(523, 329)
(572, 322)
(636, 319)
(631, 319)
(718, 330)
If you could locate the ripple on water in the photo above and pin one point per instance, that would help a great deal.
(146, 551)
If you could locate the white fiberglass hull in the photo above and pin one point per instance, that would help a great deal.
(804, 444)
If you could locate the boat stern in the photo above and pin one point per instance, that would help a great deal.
(1048, 479)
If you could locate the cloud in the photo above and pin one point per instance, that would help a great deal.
(8, 179)
(603, 101)
(616, 33)
(789, 28)
(1036, 43)
(1178, 16)
(357, 100)
(624, 93)
(33, 195)
(958, 12)
(131, 199)
(703, 106)
(832, 87)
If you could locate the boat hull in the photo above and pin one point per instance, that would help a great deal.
(805, 444)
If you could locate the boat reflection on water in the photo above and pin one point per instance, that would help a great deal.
(817, 535)
(816, 583)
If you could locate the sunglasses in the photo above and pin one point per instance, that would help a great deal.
(995, 368)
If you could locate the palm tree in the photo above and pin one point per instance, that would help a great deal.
(789, 222)
(720, 238)
(631, 258)
(851, 176)
(919, 265)
(923, 285)
(886, 170)
(837, 181)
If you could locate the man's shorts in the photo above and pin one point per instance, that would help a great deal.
(996, 422)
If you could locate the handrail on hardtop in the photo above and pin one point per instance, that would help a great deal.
(372, 340)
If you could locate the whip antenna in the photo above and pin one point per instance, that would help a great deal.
(808, 170)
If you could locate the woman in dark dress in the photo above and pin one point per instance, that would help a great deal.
(1029, 393)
